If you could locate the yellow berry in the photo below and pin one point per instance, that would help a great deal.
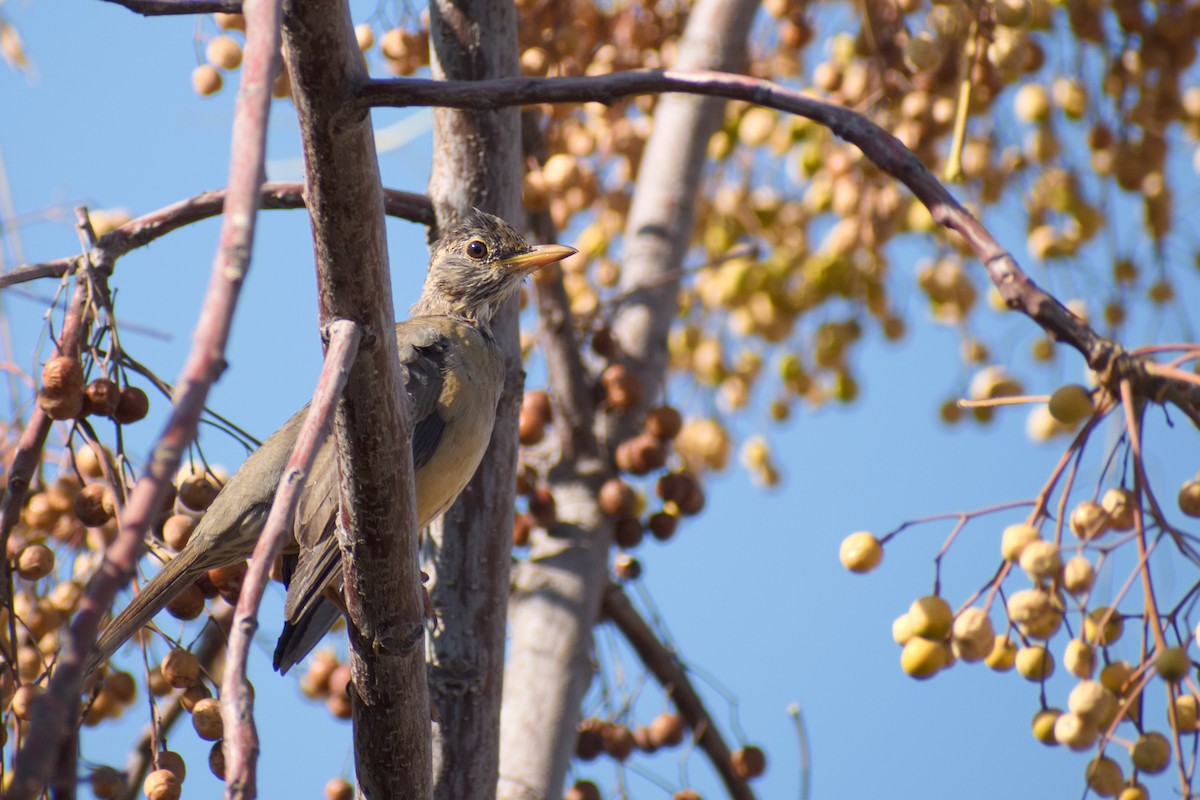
(1036, 612)
(931, 617)
(223, 52)
(1035, 663)
(861, 552)
(1078, 575)
(1015, 538)
(1088, 520)
(1189, 498)
(1092, 701)
(1112, 631)
(1043, 725)
(1041, 560)
(1071, 404)
(1151, 753)
(1003, 655)
(1079, 659)
(1173, 664)
(1075, 732)
(1104, 777)
(1186, 712)
(1118, 503)
(1115, 676)
(922, 658)
(972, 635)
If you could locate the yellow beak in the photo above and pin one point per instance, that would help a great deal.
(538, 257)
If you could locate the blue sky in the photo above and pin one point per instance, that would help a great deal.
(751, 591)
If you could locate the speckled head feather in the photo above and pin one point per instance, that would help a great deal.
(477, 265)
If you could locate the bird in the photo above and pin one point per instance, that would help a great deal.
(453, 371)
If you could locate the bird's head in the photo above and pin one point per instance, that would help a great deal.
(478, 264)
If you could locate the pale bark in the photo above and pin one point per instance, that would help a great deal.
(557, 591)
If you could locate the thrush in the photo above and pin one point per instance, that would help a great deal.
(453, 372)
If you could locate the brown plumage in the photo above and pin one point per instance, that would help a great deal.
(453, 372)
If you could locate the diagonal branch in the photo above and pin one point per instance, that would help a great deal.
(1019, 291)
(237, 699)
(163, 8)
(671, 675)
(56, 708)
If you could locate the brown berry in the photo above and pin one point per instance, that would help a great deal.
(133, 405)
(90, 505)
(192, 695)
(626, 567)
(216, 760)
(228, 580)
(686, 794)
(603, 343)
(617, 741)
(230, 22)
(223, 52)
(749, 762)
(196, 492)
(188, 604)
(589, 744)
(206, 80)
(530, 429)
(644, 741)
(617, 498)
(162, 784)
(663, 525)
(663, 423)
(641, 455)
(61, 406)
(206, 719)
(173, 762)
(180, 668)
(522, 528)
(622, 388)
(35, 562)
(542, 507)
(315, 682)
(667, 730)
(537, 403)
(107, 783)
(177, 531)
(583, 790)
(23, 699)
(339, 789)
(527, 479)
(158, 684)
(103, 396)
(628, 532)
(121, 686)
(62, 376)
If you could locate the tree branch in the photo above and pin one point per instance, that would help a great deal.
(237, 699)
(145, 229)
(377, 518)
(667, 670)
(161, 8)
(476, 162)
(1019, 291)
(55, 710)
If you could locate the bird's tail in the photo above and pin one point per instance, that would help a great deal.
(179, 573)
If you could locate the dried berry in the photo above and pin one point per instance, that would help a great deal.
(180, 668)
(90, 505)
(617, 498)
(103, 395)
(206, 719)
(34, 562)
(133, 405)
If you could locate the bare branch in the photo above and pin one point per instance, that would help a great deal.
(162, 8)
(674, 680)
(1019, 291)
(55, 714)
(145, 229)
(237, 700)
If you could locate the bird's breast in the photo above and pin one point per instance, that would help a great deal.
(472, 379)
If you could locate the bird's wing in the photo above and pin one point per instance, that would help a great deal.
(424, 345)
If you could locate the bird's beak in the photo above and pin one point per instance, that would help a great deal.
(538, 257)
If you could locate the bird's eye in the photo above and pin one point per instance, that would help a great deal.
(477, 250)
